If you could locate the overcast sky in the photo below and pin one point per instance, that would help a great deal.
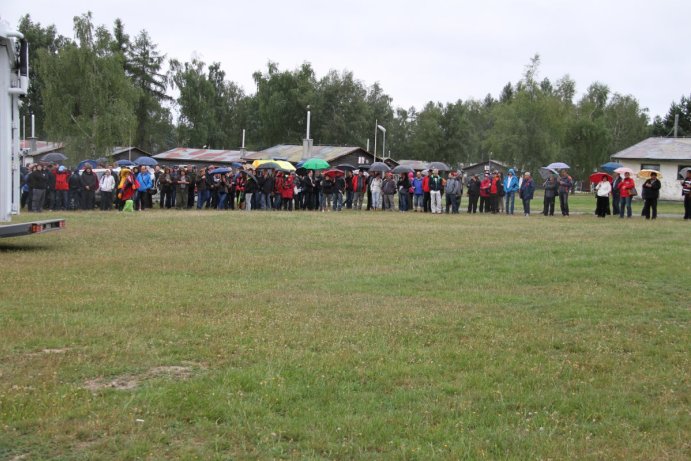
(419, 51)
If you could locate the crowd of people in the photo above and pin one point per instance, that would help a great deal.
(182, 187)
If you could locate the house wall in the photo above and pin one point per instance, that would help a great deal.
(671, 186)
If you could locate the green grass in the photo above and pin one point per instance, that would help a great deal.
(346, 336)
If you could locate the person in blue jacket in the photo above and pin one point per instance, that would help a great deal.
(526, 192)
(145, 183)
(510, 189)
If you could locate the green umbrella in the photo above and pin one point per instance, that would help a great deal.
(315, 164)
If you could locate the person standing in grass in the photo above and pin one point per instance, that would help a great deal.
(565, 183)
(615, 194)
(375, 187)
(453, 190)
(510, 188)
(686, 193)
(418, 193)
(107, 185)
(435, 187)
(144, 181)
(181, 189)
(473, 193)
(388, 190)
(603, 189)
(526, 192)
(626, 187)
(650, 194)
(359, 189)
(89, 188)
(550, 187)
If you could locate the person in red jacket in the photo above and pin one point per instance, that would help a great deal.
(62, 189)
(485, 185)
(287, 192)
(626, 194)
(494, 193)
(428, 197)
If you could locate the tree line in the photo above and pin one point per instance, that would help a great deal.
(105, 88)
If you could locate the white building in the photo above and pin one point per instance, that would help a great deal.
(666, 155)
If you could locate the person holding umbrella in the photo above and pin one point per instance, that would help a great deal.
(565, 183)
(650, 194)
(626, 188)
(435, 187)
(359, 189)
(550, 187)
(602, 191)
(615, 193)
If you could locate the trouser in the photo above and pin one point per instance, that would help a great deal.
(472, 203)
(403, 201)
(248, 201)
(38, 197)
(435, 201)
(388, 202)
(564, 203)
(615, 204)
(548, 209)
(625, 205)
(190, 196)
(50, 199)
(106, 200)
(510, 199)
(687, 206)
(648, 204)
(62, 199)
(526, 206)
(602, 206)
(376, 199)
(287, 204)
(494, 203)
(349, 199)
(419, 202)
(452, 203)
(139, 203)
(337, 200)
(369, 199)
(484, 204)
(357, 200)
(180, 197)
(75, 201)
(428, 201)
(88, 199)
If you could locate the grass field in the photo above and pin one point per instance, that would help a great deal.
(229, 335)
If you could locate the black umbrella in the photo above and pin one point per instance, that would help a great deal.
(54, 157)
(379, 167)
(441, 166)
(269, 166)
(402, 169)
(345, 167)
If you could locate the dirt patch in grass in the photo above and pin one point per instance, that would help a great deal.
(129, 382)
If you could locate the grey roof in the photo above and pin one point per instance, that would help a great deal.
(180, 154)
(293, 153)
(657, 149)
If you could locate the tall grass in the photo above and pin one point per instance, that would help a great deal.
(224, 335)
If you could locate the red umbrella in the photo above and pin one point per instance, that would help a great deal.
(597, 177)
(334, 173)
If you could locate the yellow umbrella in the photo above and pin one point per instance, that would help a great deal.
(283, 164)
(645, 174)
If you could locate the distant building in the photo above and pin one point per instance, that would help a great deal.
(335, 155)
(200, 157)
(666, 155)
(485, 167)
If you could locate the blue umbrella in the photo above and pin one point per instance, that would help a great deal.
(609, 167)
(558, 166)
(146, 161)
(83, 163)
(236, 164)
(220, 171)
(125, 163)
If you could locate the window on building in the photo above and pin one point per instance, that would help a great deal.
(650, 166)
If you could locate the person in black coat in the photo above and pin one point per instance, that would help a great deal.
(473, 193)
(38, 183)
(650, 194)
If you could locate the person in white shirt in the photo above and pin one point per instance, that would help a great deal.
(107, 185)
(603, 189)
